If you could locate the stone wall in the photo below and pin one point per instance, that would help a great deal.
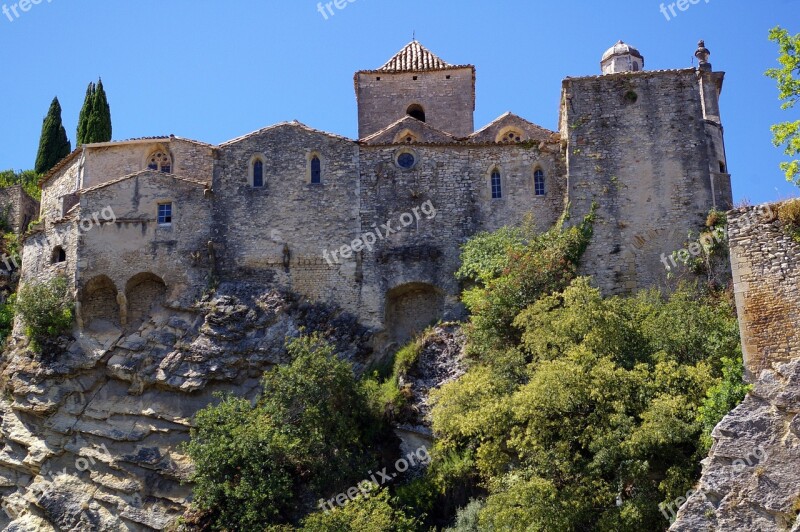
(750, 479)
(17, 208)
(639, 145)
(766, 274)
(447, 97)
(176, 254)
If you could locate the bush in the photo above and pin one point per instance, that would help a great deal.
(374, 513)
(467, 517)
(7, 311)
(722, 398)
(45, 309)
(310, 435)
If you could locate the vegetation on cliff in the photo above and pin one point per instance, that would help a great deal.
(577, 412)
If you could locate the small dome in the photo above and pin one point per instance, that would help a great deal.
(621, 48)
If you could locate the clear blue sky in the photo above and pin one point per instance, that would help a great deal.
(214, 70)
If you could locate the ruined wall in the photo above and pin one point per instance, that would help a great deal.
(17, 208)
(750, 479)
(638, 145)
(447, 96)
(63, 183)
(766, 273)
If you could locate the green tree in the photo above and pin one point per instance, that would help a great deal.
(29, 180)
(86, 112)
(53, 144)
(94, 121)
(310, 435)
(592, 418)
(45, 309)
(787, 134)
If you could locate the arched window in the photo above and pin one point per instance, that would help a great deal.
(511, 135)
(59, 255)
(160, 162)
(497, 186)
(416, 111)
(316, 170)
(538, 182)
(258, 173)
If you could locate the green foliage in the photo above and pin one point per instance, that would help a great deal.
(53, 144)
(29, 180)
(546, 263)
(83, 117)
(94, 121)
(7, 311)
(467, 517)
(789, 215)
(311, 434)
(788, 78)
(486, 255)
(375, 513)
(722, 397)
(45, 309)
(593, 417)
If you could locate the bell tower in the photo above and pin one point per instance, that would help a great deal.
(417, 83)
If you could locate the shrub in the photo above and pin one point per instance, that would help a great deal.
(722, 398)
(45, 309)
(789, 215)
(7, 317)
(374, 513)
(310, 435)
(467, 517)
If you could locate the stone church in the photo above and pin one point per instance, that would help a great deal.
(375, 225)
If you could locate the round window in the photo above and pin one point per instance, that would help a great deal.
(406, 160)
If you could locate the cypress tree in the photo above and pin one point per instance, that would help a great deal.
(99, 124)
(53, 144)
(86, 112)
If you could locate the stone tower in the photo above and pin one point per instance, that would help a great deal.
(416, 83)
(647, 147)
(621, 58)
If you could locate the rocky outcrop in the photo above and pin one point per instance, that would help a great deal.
(751, 479)
(91, 439)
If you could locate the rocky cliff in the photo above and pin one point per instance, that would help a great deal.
(91, 439)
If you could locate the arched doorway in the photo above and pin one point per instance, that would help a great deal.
(410, 308)
(99, 302)
(144, 292)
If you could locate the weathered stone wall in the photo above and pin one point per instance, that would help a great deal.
(108, 161)
(638, 145)
(750, 479)
(17, 208)
(65, 182)
(766, 273)
(447, 97)
(176, 253)
(455, 181)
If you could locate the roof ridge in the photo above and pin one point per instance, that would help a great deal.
(414, 57)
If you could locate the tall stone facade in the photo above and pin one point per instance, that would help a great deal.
(375, 225)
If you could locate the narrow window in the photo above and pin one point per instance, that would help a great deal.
(416, 111)
(164, 213)
(538, 182)
(316, 171)
(722, 167)
(59, 255)
(497, 191)
(258, 174)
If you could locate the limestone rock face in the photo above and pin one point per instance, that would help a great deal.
(751, 479)
(91, 440)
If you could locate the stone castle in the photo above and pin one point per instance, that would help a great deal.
(158, 220)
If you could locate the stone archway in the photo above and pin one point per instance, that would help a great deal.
(410, 308)
(144, 292)
(99, 302)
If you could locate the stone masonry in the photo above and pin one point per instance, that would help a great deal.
(292, 206)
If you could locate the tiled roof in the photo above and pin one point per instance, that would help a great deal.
(414, 58)
(293, 123)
